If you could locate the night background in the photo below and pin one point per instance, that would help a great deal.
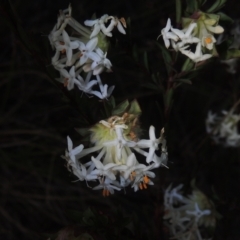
(40, 198)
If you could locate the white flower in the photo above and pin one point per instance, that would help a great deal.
(56, 62)
(208, 41)
(117, 22)
(152, 144)
(185, 35)
(178, 46)
(128, 170)
(142, 178)
(105, 92)
(69, 77)
(72, 152)
(98, 25)
(224, 129)
(54, 36)
(197, 213)
(67, 46)
(168, 35)
(198, 56)
(85, 86)
(108, 186)
(87, 49)
(103, 170)
(100, 62)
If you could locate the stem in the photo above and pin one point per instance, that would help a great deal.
(79, 28)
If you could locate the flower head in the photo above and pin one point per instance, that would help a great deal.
(113, 157)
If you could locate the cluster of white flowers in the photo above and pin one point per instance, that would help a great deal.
(224, 128)
(115, 165)
(184, 215)
(199, 33)
(80, 49)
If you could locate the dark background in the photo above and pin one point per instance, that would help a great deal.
(36, 114)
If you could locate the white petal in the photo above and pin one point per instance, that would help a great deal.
(168, 26)
(92, 44)
(120, 28)
(178, 32)
(70, 143)
(90, 22)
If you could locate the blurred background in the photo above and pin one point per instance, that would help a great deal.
(38, 195)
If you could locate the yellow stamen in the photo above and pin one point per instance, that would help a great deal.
(140, 186)
(208, 40)
(146, 179)
(145, 185)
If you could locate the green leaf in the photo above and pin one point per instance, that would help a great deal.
(216, 6)
(168, 98)
(121, 108)
(192, 6)
(82, 131)
(232, 53)
(178, 11)
(134, 108)
(225, 17)
(188, 65)
(112, 102)
(166, 56)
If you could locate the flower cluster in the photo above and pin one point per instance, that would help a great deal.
(185, 215)
(224, 128)
(114, 165)
(80, 49)
(199, 31)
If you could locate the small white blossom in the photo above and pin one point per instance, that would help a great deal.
(86, 86)
(186, 35)
(69, 77)
(72, 152)
(98, 25)
(108, 186)
(67, 46)
(198, 56)
(168, 35)
(87, 49)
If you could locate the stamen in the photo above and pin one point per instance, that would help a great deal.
(123, 21)
(140, 186)
(208, 40)
(104, 193)
(146, 179)
(132, 175)
(145, 185)
(65, 82)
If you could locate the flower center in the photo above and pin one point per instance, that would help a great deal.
(208, 40)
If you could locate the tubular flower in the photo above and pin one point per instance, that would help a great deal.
(113, 156)
(198, 29)
(80, 48)
(224, 128)
(186, 217)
